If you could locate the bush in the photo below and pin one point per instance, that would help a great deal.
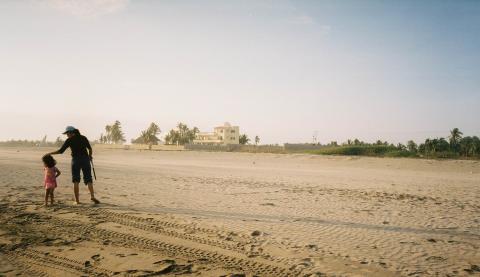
(400, 154)
(357, 150)
(443, 155)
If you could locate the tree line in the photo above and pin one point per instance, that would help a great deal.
(30, 143)
(455, 145)
(244, 139)
(180, 135)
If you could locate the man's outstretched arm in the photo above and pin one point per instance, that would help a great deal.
(62, 149)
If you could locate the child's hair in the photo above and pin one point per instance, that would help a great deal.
(49, 161)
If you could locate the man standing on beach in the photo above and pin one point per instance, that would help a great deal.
(81, 157)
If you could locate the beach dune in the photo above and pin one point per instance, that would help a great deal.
(188, 213)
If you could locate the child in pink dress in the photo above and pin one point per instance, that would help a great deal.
(51, 174)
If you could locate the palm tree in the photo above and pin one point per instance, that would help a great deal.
(117, 135)
(429, 146)
(170, 137)
(108, 134)
(144, 138)
(476, 145)
(243, 139)
(412, 146)
(442, 145)
(465, 146)
(149, 136)
(434, 145)
(153, 129)
(257, 140)
(182, 135)
(421, 148)
(455, 137)
(192, 134)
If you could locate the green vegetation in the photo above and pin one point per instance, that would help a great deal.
(113, 134)
(257, 140)
(453, 147)
(456, 147)
(243, 139)
(181, 135)
(33, 143)
(149, 136)
(364, 150)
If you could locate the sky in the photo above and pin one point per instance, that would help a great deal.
(283, 70)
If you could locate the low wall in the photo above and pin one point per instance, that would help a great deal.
(288, 147)
(236, 148)
(141, 147)
(293, 147)
(223, 148)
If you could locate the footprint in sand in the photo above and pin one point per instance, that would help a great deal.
(436, 259)
(162, 262)
(473, 269)
(96, 257)
(311, 246)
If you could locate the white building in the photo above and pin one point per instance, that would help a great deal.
(221, 135)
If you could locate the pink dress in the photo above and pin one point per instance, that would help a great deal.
(50, 179)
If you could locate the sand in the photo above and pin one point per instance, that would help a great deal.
(240, 214)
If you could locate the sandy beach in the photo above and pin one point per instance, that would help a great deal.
(186, 213)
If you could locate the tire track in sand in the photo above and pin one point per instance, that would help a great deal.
(219, 256)
(41, 260)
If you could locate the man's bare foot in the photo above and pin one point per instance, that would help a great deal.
(76, 203)
(94, 200)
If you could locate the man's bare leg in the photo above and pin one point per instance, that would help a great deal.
(75, 191)
(92, 193)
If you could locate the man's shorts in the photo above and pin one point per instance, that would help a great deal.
(81, 163)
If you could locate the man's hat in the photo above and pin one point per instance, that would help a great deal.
(69, 129)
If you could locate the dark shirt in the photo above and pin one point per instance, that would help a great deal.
(78, 144)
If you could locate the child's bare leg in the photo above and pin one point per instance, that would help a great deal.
(51, 195)
(46, 196)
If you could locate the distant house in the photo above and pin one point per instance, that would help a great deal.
(222, 135)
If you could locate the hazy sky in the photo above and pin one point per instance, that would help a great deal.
(283, 70)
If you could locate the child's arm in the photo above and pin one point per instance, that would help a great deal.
(57, 172)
